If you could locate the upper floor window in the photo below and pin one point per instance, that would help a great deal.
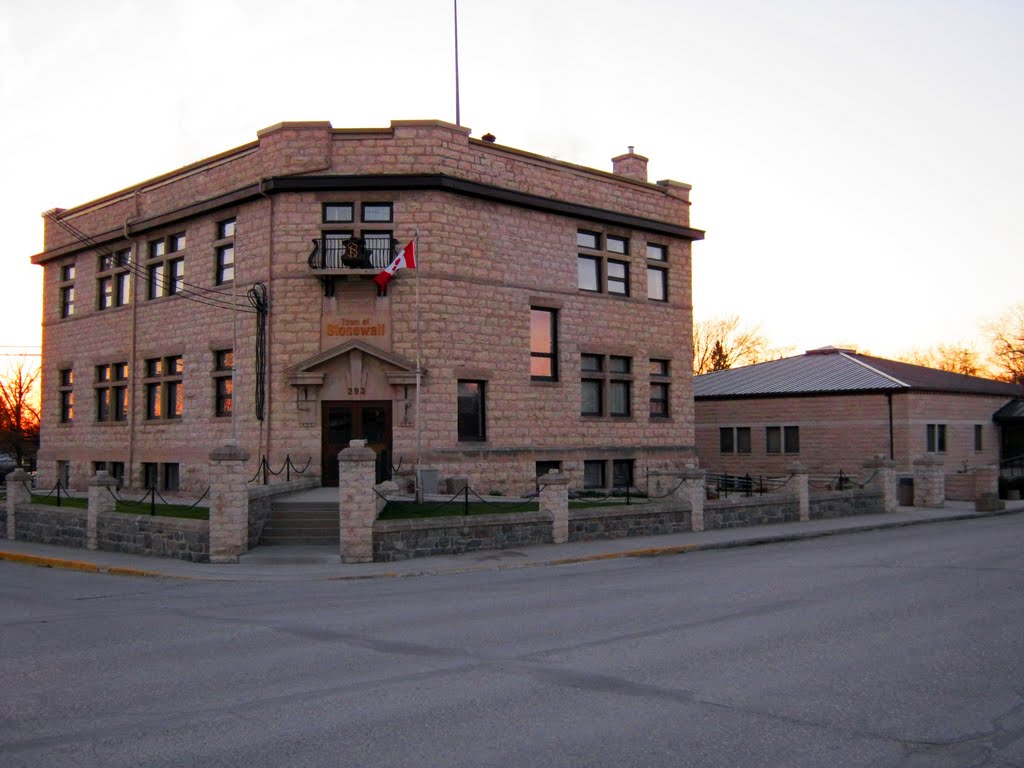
(67, 290)
(657, 252)
(223, 383)
(111, 390)
(978, 444)
(343, 246)
(543, 344)
(113, 282)
(163, 387)
(224, 252)
(659, 373)
(66, 393)
(166, 266)
(599, 272)
(657, 284)
(605, 385)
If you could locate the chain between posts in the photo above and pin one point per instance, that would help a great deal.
(288, 467)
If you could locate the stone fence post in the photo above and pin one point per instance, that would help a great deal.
(695, 492)
(18, 496)
(801, 487)
(357, 502)
(229, 504)
(554, 498)
(100, 500)
(986, 482)
(885, 480)
(929, 482)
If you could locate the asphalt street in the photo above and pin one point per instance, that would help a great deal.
(900, 647)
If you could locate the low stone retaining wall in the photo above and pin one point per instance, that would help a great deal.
(261, 500)
(117, 532)
(621, 522)
(755, 510)
(406, 539)
(826, 505)
(64, 526)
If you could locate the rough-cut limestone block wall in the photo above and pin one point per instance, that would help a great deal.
(620, 522)
(831, 504)
(737, 513)
(406, 539)
(64, 526)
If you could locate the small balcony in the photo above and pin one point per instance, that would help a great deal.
(341, 255)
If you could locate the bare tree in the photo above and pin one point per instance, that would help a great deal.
(721, 343)
(1007, 335)
(955, 358)
(19, 410)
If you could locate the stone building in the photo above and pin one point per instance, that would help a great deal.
(833, 409)
(547, 318)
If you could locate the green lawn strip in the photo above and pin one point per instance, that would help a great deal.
(406, 510)
(131, 507)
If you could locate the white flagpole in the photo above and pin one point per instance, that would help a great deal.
(458, 116)
(419, 373)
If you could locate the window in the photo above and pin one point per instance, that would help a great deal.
(935, 438)
(657, 284)
(726, 440)
(618, 277)
(622, 473)
(779, 439)
(223, 381)
(734, 439)
(617, 245)
(605, 385)
(593, 474)
(376, 212)
(163, 387)
(543, 344)
(596, 272)
(112, 392)
(113, 282)
(64, 473)
(978, 444)
(472, 416)
(657, 252)
(67, 290)
(67, 395)
(165, 271)
(659, 388)
(346, 248)
(338, 213)
(224, 252)
(163, 477)
(742, 439)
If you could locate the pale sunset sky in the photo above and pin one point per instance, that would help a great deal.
(858, 166)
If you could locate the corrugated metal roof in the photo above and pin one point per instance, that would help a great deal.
(1011, 413)
(831, 370)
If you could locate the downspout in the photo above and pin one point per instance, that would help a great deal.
(892, 451)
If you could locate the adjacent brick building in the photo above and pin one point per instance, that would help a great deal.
(833, 409)
(234, 299)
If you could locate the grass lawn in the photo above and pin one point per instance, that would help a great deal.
(131, 507)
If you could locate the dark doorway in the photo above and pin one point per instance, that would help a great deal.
(347, 420)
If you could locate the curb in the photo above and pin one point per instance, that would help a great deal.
(671, 549)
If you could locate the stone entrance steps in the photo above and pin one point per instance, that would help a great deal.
(301, 522)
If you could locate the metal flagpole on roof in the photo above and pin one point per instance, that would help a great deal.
(419, 371)
(458, 117)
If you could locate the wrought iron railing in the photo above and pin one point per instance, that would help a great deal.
(340, 253)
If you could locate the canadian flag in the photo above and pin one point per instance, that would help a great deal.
(406, 259)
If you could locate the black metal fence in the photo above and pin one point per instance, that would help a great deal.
(368, 252)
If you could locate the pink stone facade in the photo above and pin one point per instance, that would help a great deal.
(496, 234)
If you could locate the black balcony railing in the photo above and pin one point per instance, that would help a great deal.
(373, 252)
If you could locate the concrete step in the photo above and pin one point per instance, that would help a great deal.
(303, 524)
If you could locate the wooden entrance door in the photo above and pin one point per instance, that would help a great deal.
(344, 420)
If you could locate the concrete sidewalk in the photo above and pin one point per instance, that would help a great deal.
(297, 563)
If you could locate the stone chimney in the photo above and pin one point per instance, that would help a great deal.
(631, 165)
